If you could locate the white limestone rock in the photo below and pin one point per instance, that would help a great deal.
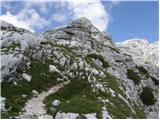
(56, 103)
(45, 117)
(62, 61)
(141, 50)
(35, 92)
(24, 96)
(106, 115)
(9, 64)
(27, 77)
(91, 116)
(53, 68)
(81, 64)
(94, 71)
(2, 108)
(61, 115)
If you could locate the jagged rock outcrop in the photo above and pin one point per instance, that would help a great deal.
(9, 27)
(104, 82)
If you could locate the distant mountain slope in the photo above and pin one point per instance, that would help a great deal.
(73, 72)
(141, 51)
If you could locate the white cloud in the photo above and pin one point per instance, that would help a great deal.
(94, 11)
(58, 17)
(59, 11)
(8, 17)
(33, 18)
(28, 18)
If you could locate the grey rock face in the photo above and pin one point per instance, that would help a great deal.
(9, 27)
(141, 51)
(79, 51)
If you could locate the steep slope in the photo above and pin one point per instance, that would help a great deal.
(141, 51)
(103, 82)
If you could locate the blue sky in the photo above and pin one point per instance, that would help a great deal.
(135, 19)
(124, 20)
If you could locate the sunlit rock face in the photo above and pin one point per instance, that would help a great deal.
(141, 51)
(81, 69)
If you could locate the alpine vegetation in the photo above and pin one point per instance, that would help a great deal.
(73, 72)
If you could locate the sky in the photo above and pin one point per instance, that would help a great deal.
(124, 20)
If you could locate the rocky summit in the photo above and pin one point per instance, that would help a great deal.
(141, 51)
(75, 71)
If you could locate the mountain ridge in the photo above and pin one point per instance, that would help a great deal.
(99, 75)
(142, 51)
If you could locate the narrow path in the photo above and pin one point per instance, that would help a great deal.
(35, 108)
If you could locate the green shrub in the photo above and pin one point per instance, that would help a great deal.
(100, 58)
(133, 76)
(147, 96)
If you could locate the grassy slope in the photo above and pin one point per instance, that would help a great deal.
(72, 95)
(42, 79)
(75, 97)
(72, 100)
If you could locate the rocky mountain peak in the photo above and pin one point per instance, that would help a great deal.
(81, 30)
(74, 72)
(135, 42)
(141, 50)
(83, 23)
(5, 26)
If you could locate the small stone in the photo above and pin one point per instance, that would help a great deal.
(59, 79)
(24, 96)
(94, 71)
(53, 68)
(61, 115)
(53, 109)
(26, 77)
(86, 68)
(91, 116)
(15, 83)
(81, 64)
(3, 99)
(56, 103)
(45, 117)
(62, 61)
(34, 92)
